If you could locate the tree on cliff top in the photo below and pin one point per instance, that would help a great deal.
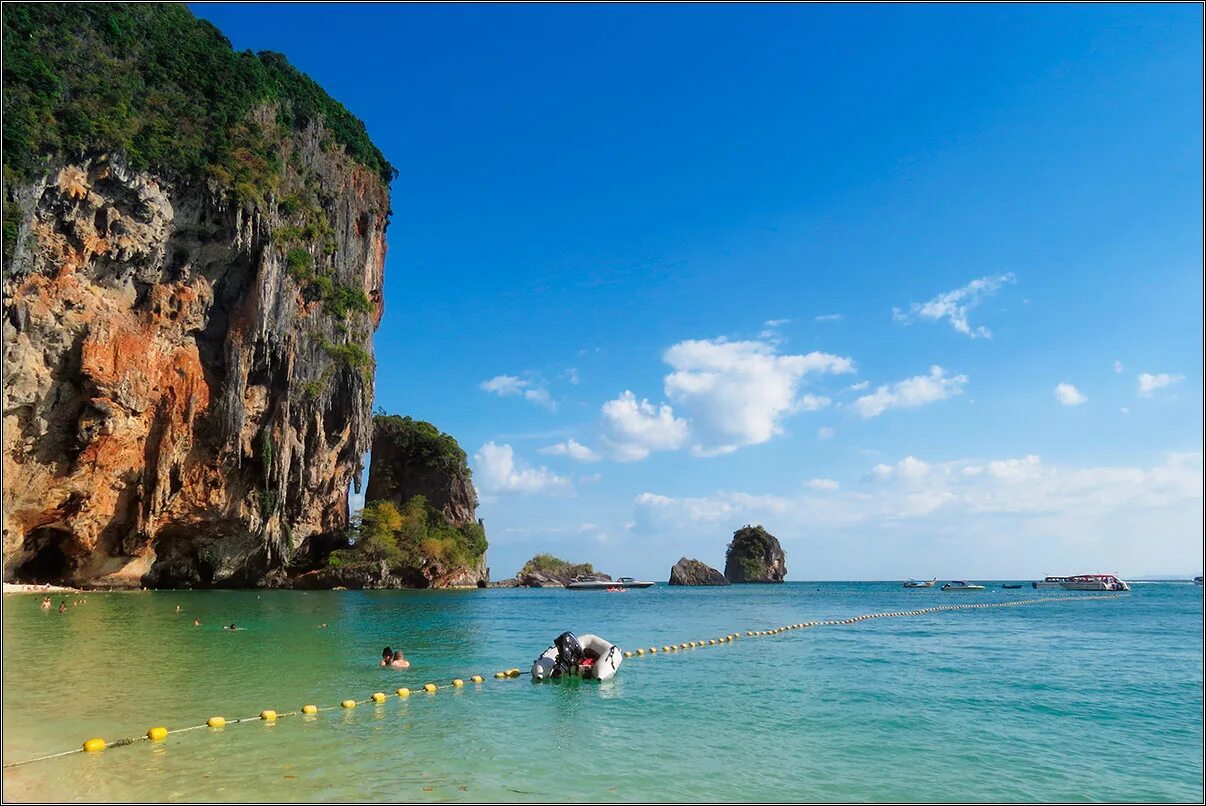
(549, 565)
(160, 86)
(750, 547)
(411, 538)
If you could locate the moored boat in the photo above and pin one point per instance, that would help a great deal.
(1083, 582)
(1197, 580)
(960, 585)
(912, 583)
(602, 584)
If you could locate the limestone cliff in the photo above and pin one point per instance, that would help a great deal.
(754, 555)
(187, 353)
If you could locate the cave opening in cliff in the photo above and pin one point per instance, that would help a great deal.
(49, 563)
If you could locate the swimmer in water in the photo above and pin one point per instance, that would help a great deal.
(46, 603)
(177, 608)
(232, 627)
(63, 606)
(196, 622)
(393, 660)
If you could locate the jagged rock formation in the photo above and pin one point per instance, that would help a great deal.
(188, 360)
(693, 572)
(754, 555)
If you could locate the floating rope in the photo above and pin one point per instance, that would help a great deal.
(158, 734)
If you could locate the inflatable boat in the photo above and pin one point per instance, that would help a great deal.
(587, 656)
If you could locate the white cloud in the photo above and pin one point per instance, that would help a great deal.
(573, 449)
(571, 375)
(1118, 366)
(776, 322)
(1069, 395)
(829, 317)
(1006, 497)
(507, 385)
(911, 392)
(1125, 410)
(825, 432)
(1149, 383)
(498, 471)
(633, 429)
(955, 305)
(857, 387)
(737, 392)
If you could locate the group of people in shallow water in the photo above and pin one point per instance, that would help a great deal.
(48, 603)
(393, 660)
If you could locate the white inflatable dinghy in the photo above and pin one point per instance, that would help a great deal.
(587, 656)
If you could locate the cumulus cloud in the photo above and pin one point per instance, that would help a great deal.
(737, 392)
(1069, 395)
(823, 484)
(1149, 383)
(635, 428)
(573, 449)
(955, 305)
(911, 392)
(496, 470)
(508, 385)
(828, 317)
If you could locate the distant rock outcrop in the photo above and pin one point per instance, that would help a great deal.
(755, 555)
(547, 571)
(693, 572)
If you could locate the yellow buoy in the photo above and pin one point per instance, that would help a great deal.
(682, 646)
(513, 673)
(458, 683)
(652, 650)
(215, 722)
(500, 675)
(403, 692)
(640, 652)
(477, 678)
(268, 715)
(430, 688)
(378, 696)
(157, 734)
(309, 710)
(628, 654)
(94, 745)
(667, 648)
(348, 703)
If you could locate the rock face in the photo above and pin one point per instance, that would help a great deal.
(413, 458)
(547, 571)
(754, 555)
(179, 409)
(693, 572)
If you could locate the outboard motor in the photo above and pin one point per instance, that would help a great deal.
(561, 658)
(569, 653)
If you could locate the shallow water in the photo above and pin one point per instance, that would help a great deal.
(1085, 700)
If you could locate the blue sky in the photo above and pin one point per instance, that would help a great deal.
(643, 260)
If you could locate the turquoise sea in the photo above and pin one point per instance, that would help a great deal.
(1096, 700)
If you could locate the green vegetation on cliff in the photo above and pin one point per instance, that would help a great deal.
(410, 539)
(163, 88)
(422, 444)
(754, 555)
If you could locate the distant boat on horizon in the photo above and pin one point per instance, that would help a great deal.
(912, 583)
(601, 585)
(1083, 582)
(1197, 580)
(960, 585)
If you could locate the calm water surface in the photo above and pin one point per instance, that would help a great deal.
(1093, 700)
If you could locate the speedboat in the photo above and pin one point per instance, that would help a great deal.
(587, 656)
(1083, 582)
(603, 584)
(912, 583)
(960, 585)
(1011, 587)
(1197, 580)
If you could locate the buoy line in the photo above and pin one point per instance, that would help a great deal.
(159, 734)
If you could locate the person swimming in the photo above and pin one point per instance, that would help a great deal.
(232, 627)
(63, 606)
(393, 660)
(46, 603)
(196, 622)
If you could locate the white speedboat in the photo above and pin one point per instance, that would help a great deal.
(587, 656)
(960, 585)
(602, 584)
(1197, 580)
(912, 583)
(1083, 582)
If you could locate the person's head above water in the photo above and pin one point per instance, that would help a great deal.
(387, 654)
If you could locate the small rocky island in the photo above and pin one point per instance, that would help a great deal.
(694, 572)
(547, 571)
(754, 555)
